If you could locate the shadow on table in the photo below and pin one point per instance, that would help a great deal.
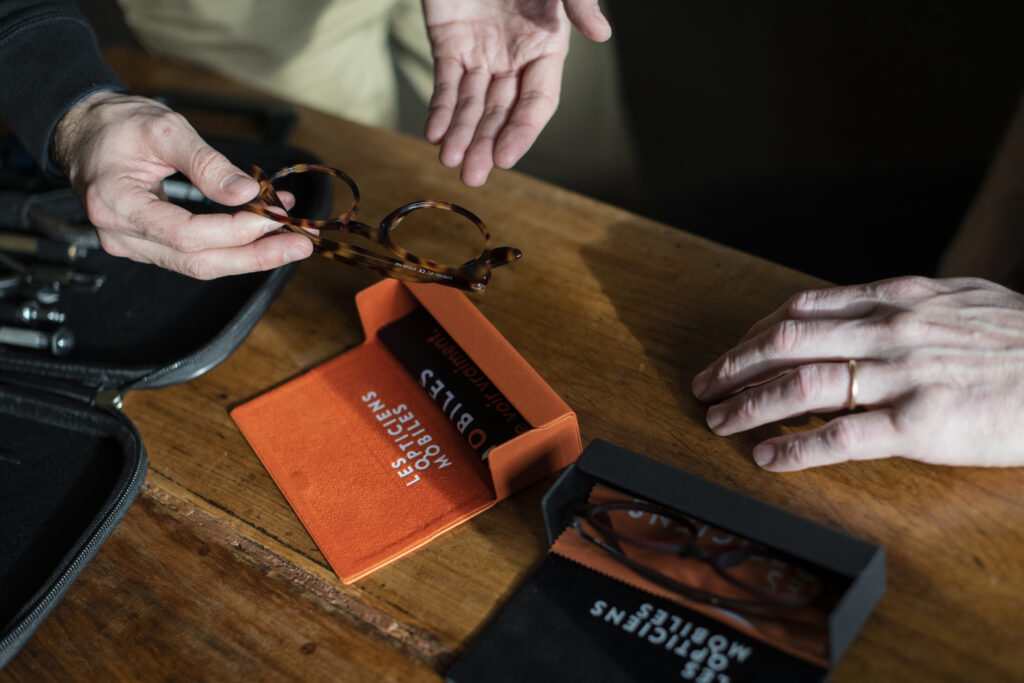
(684, 318)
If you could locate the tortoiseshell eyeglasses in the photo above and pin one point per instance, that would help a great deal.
(400, 264)
(649, 539)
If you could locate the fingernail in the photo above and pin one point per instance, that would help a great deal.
(236, 182)
(764, 454)
(295, 254)
(700, 383)
(271, 226)
(716, 416)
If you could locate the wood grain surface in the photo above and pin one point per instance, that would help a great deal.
(211, 576)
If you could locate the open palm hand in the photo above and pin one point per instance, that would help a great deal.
(497, 75)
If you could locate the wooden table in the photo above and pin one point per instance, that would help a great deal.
(211, 576)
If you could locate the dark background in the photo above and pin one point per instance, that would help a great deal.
(842, 139)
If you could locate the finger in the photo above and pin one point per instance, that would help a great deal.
(145, 216)
(835, 302)
(180, 192)
(787, 344)
(811, 304)
(586, 16)
(479, 158)
(287, 199)
(263, 254)
(537, 102)
(854, 301)
(468, 110)
(810, 388)
(447, 75)
(159, 192)
(859, 436)
(288, 202)
(178, 144)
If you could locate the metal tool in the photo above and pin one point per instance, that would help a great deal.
(29, 313)
(56, 214)
(41, 247)
(52, 276)
(63, 277)
(59, 342)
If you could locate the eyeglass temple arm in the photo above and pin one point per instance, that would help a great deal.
(500, 256)
(391, 267)
(666, 581)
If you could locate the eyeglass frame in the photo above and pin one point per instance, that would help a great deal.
(751, 608)
(471, 276)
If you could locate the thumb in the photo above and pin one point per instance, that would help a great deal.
(211, 172)
(586, 16)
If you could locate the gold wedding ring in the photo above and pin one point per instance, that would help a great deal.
(851, 397)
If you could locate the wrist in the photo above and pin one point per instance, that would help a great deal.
(72, 128)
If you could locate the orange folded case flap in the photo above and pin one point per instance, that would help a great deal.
(553, 443)
(336, 441)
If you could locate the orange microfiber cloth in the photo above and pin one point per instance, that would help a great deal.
(366, 460)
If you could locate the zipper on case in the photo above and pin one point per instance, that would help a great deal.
(109, 398)
(197, 364)
(74, 561)
(80, 393)
(202, 360)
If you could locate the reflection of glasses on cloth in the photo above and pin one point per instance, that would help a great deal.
(651, 540)
(471, 275)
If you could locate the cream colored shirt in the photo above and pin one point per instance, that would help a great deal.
(338, 56)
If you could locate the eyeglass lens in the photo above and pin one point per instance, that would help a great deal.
(429, 232)
(666, 542)
(440, 235)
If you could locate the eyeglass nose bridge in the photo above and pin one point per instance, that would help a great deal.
(324, 243)
(360, 229)
(405, 265)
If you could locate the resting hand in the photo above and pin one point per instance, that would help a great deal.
(497, 75)
(940, 371)
(116, 149)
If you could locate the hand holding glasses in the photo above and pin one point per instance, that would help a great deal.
(402, 265)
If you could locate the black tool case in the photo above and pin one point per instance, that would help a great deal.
(70, 463)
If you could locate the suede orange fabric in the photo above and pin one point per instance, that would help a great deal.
(340, 440)
(809, 642)
(554, 442)
(366, 460)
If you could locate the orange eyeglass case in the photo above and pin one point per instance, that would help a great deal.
(369, 460)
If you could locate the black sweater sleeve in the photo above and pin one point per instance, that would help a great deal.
(49, 61)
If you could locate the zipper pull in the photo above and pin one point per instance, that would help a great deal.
(109, 398)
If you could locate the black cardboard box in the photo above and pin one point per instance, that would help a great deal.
(569, 620)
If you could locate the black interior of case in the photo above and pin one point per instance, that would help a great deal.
(62, 465)
(148, 316)
(69, 469)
